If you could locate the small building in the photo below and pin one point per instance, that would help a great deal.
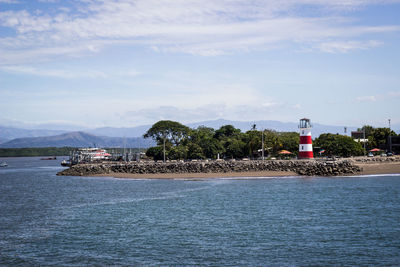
(359, 136)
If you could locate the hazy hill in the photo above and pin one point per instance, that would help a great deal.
(243, 125)
(9, 133)
(137, 131)
(77, 139)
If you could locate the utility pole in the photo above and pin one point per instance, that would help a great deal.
(262, 143)
(364, 139)
(164, 148)
(390, 138)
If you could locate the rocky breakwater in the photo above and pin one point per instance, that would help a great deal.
(301, 167)
(377, 159)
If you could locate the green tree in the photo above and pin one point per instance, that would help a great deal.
(289, 141)
(177, 152)
(368, 130)
(170, 131)
(226, 131)
(155, 152)
(338, 145)
(195, 151)
(380, 137)
(377, 137)
(231, 139)
(204, 138)
(169, 134)
(234, 148)
(252, 141)
(272, 144)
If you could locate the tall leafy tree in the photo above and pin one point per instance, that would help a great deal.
(272, 143)
(231, 139)
(252, 141)
(289, 141)
(203, 137)
(377, 137)
(169, 131)
(339, 145)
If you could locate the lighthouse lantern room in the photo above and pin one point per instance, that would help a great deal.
(305, 146)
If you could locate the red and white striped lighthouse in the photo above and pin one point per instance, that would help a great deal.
(305, 146)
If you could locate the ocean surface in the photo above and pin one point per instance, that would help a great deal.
(70, 221)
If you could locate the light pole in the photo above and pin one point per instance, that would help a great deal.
(164, 148)
(390, 138)
(364, 139)
(262, 144)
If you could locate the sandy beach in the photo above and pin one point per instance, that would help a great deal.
(380, 168)
(368, 169)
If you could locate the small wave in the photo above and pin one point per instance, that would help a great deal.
(51, 167)
(163, 196)
(257, 177)
(372, 175)
(123, 201)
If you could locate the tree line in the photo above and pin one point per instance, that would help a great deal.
(377, 137)
(182, 142)
(35, 151)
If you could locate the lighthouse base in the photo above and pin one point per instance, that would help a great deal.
(306, 155)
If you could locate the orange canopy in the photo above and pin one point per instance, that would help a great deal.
(285, 152)
(375, 150)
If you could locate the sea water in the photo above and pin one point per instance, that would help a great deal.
(67, 221)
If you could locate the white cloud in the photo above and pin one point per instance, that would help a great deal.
(369, 98)
(344, 47)
(48, 1)
(67, 74)
(204, 27)
(10, 1)
(379, 97)
(297, 106)
(394, 94)
(270, 104)
(200, 113)
(53, 73)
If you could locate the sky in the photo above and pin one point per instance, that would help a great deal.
(126, 63)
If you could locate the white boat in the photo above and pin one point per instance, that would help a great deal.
(65, 163)
(3, 164)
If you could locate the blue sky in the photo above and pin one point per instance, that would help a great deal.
(127, 63)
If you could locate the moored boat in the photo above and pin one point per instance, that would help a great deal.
(50, 158)
(65, 163)
(3, 164)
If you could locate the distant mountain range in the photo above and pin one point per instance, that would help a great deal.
(78, 139)
(132, 136)
(242, 125)
(9, 133)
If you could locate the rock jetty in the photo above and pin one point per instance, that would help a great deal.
(301, 167)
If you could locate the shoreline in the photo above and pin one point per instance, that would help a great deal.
(209, 175)
(239, 169)
(379, 168)
(367, 169)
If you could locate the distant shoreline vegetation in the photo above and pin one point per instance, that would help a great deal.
(47, 151)
(35, 151)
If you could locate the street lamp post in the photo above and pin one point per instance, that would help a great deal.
(262, 144)
(390, 138)
(164, 148)
(364, 139)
